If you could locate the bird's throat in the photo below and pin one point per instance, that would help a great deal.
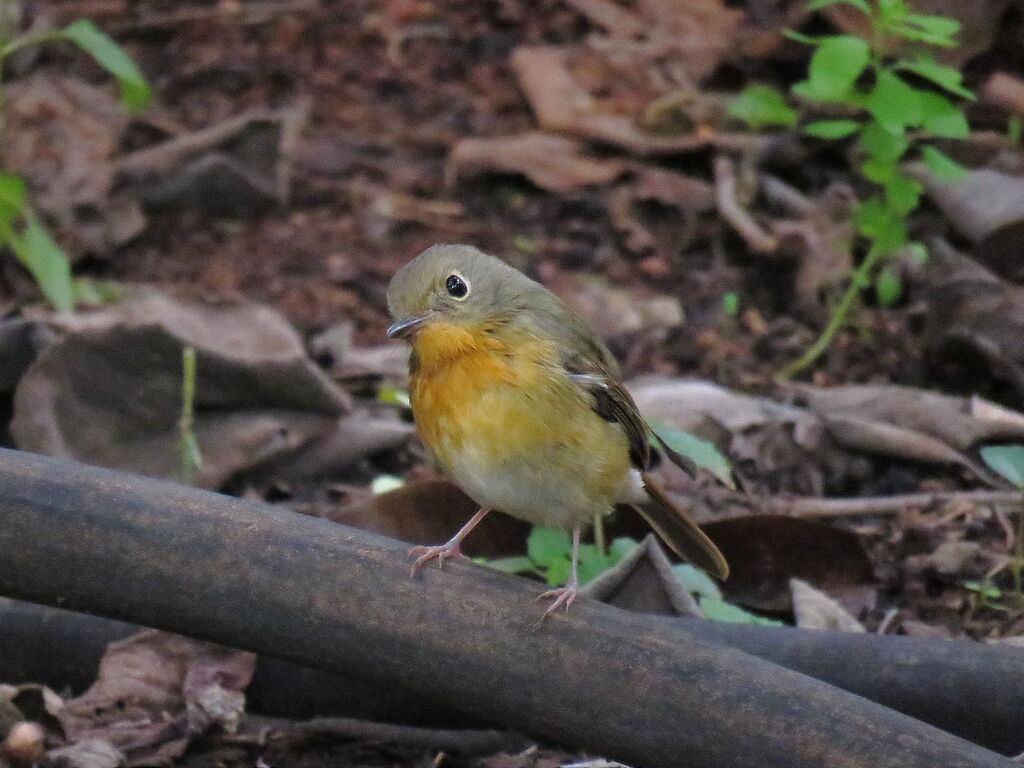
(439, 344)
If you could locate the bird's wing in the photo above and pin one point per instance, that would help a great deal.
(592, 367)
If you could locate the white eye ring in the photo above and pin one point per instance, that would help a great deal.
(457, 286)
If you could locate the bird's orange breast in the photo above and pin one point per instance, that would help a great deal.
(499, 415)
(469, 385)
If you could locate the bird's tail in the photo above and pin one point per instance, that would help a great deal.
(680, 533)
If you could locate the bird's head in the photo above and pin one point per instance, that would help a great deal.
(458, 285)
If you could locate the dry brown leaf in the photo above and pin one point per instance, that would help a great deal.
(922, 424)
(643, 582)
(431, 511)
(561, 105)
(612, 311)
(109, 391)
(61, 135)
(766, 552)
(816, 610)
(975, 321)
(155, 692)
(90, 753)
(980, 22)
(987, 207)
(551, 162)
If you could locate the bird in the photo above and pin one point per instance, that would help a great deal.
(520, 404)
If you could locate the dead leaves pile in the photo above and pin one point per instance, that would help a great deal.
(155, 693)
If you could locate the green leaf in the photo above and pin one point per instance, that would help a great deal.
(878, 171)
(1013, 129)
(393, 396)
(557, 572)
(700, 452)
(621, 547)
(191, 454)
(108, 54)
(878, 222)
(940, 26)
(892, 9)
(902, 193)
(894, 104)
(41, 256)
(761, 105)
(860, 5)
(591, 563)
(945, 77)
(730, 303)
(719, 610)
(882, 144)
(916, 253)
(942, 165)
(800, 37)
(12, 198)
(916, 34)
(835, 66)
(518, 564)
(546, 545)
(1007, 460)
(832, 129)
(888, 287)
(984, 589)
(940, 117)
(696, 581)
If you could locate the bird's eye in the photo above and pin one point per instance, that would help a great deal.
(457, 287)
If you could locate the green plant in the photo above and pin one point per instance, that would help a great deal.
(709, 598)
(1008, 461)
(547, 556)
(20, 227)
(893, 98)
(190, 455)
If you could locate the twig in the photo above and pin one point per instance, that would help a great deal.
(885, 505)
(757, 239)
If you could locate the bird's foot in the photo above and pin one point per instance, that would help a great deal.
(440, 552)
(562, 596)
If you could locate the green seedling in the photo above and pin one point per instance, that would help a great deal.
(20, 228)
(893, 101)
(191, 457)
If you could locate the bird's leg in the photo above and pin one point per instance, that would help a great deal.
(451, 548)
(567, 594)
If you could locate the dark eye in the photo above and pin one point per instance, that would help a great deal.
(456, 287)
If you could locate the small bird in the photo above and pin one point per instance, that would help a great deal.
(520, 404)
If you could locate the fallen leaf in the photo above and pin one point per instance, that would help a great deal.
(429, 512)
(767, 552)
(90, 753)
(155, 692)
(644, 582)
(62, 134)
(551, 162)
(816, 610)
(239, 167)
(108, 391)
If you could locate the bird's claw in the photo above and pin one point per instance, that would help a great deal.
(440, 552)
(562, 596)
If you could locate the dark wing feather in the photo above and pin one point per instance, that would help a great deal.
(613, 403)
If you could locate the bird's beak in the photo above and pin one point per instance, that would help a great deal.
(408, 326)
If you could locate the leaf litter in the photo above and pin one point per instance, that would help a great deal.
(432, 122)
